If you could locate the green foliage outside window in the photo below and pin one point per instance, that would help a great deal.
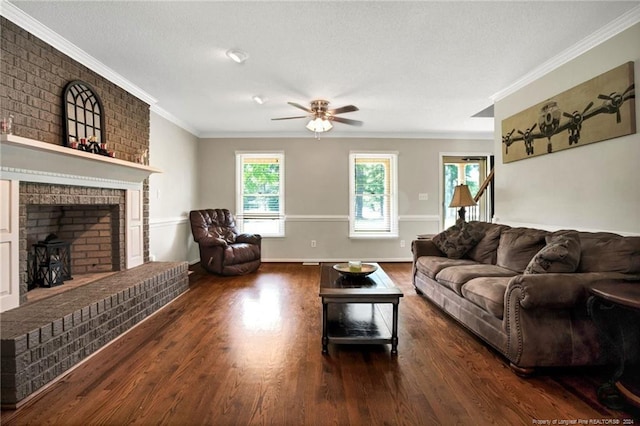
(472, 177)
(370, 182)
(261, 183)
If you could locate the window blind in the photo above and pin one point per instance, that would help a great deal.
(261, 193)
(373, 197)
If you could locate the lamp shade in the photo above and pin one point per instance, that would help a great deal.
(462, 197)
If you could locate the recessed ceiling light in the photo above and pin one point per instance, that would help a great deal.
(237, 55)
(259, 99)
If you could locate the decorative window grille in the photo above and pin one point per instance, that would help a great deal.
(83, 112)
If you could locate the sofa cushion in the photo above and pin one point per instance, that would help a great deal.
(607, 252)
(431, 265)
(454, 277)
(486, 249)
(518, 246)
(455, 241)
(561, 254)
(487, 293)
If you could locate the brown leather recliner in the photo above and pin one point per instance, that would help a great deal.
(222, 250)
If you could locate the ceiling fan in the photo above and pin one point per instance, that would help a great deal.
(321, 117)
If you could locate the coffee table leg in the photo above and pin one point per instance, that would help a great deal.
(394, 332)
(325, 339)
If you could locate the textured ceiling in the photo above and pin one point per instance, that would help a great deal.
(413, 68)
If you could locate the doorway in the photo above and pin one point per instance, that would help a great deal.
(471, 170)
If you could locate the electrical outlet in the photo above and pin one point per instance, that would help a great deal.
(313, 243)
(423, 196)
(401, 243)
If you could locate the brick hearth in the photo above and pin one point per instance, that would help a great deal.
(43, 339)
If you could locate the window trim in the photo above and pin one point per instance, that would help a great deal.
(392, 157)
(240, 156)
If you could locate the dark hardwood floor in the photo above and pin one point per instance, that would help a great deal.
(247, 350)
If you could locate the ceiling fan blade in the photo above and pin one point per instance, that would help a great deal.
(304, 108)
(346, 121)
(290, 118)
(342, 110)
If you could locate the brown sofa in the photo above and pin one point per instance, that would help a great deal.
(223, 250)
(524, 290)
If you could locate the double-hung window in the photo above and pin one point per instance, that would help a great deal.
(373, 199)
(260, 193)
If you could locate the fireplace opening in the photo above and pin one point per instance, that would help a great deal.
(91, 231)
(91, 220)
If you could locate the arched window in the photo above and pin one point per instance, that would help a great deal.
(83, 112)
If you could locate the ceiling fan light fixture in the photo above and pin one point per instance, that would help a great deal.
(237, 55)
(312, 126)
(319, 125)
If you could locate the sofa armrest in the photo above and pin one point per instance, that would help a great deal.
(424, 248)
(555, 291)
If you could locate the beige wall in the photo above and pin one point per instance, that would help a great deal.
(317, 198)
(173, 193)
(592, 187)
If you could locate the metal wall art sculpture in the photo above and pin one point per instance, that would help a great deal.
(596, 110)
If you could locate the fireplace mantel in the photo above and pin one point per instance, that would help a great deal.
(31, 160)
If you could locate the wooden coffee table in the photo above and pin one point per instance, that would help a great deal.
(350, 311)
(615, 309)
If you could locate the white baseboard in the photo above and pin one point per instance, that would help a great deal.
(336, 260)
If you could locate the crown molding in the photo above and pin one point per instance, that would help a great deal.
(175, 120)
(28, 23)
(610, 30)
(35, 27)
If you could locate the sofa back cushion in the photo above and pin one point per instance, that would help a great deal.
(607, 252)
(518, 246)
(560, 255)
(457, 240)
(486, 251)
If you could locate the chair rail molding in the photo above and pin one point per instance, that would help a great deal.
(161, 222)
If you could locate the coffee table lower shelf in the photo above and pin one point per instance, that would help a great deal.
(357, 323)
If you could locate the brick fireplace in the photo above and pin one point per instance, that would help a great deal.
(91, 219)
(99, 204)
(32, 92)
